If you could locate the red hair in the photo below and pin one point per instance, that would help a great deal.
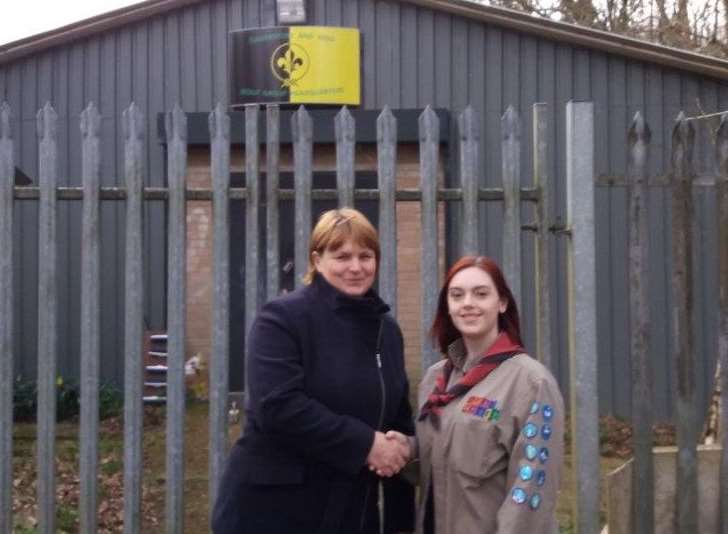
(443, 331)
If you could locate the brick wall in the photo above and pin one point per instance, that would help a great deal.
(199, 259)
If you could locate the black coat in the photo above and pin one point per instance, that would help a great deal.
(316, 393)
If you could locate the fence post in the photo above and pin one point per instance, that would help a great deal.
(582, 312)
(302, 128)
(642, 468)
(544, 218)
(272, 152)
(511, 149)
(468, 123)
(176, 125)
(345, 129)
(722, 194)
(47, 318)
(90, 314)
(686, 502)
(387, 176)
(429, 133)
(7, 348)
(252, 233)
(133, 124)
(219, 125)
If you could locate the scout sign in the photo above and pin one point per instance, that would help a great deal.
(295, 65)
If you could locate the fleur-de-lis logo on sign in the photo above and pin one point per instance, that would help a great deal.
(289, 64)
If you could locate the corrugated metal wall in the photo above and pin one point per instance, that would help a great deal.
(411, 57)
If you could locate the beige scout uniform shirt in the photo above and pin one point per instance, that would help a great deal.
(496, 460)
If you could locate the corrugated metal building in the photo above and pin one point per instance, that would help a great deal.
(414, 53)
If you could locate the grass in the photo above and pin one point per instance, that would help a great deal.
(154, 476)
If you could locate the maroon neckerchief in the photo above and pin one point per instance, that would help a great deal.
(501, 349)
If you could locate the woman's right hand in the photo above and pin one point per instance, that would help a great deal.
(388, 455)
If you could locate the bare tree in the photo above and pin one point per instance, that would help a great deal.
(700, 25)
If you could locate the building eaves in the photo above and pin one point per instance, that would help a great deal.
(88, 27)
(503, 17)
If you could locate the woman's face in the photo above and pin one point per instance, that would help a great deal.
(474, 303)
(350, 268)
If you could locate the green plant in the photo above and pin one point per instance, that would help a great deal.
(25, 393)
(24, 529)
(111, 401)
(25, 400)
(67, 519)
(67, 399)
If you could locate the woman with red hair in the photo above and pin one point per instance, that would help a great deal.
(491, 419)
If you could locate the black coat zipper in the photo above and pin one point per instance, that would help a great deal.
(380, 423)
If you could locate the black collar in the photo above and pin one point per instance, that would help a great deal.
(369, 303)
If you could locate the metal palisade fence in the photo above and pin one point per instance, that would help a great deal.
(680, 183)
(582, 284)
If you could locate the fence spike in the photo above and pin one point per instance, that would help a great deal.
(638, 138)
(721, 145)
(90, 121)
(541, 180)
(387, 180)
(46, 122)
(272, 153)
(219, 122)
(511, 169)
(132, 123)
(386, 126)
(344, 125)
(682, 211)
(639, 130)
(6, 132)
(7, 352)
(302, 125)
(510, 123)
(469, 125)
(176, 124)
(683, 137)
(302, 178)
(47, 316)
(642, 508)
(429, 125)
(133, 128)
(90, 125)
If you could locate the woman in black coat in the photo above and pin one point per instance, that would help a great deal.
(326, 380)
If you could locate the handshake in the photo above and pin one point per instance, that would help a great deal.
(389, 453)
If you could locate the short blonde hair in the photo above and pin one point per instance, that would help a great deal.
(334, 228)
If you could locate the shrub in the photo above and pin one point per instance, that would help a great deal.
(68, 394)
(111, 401)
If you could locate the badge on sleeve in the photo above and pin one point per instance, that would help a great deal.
(530, 430)
(525, 473)
(531, 452)
(519, 496)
